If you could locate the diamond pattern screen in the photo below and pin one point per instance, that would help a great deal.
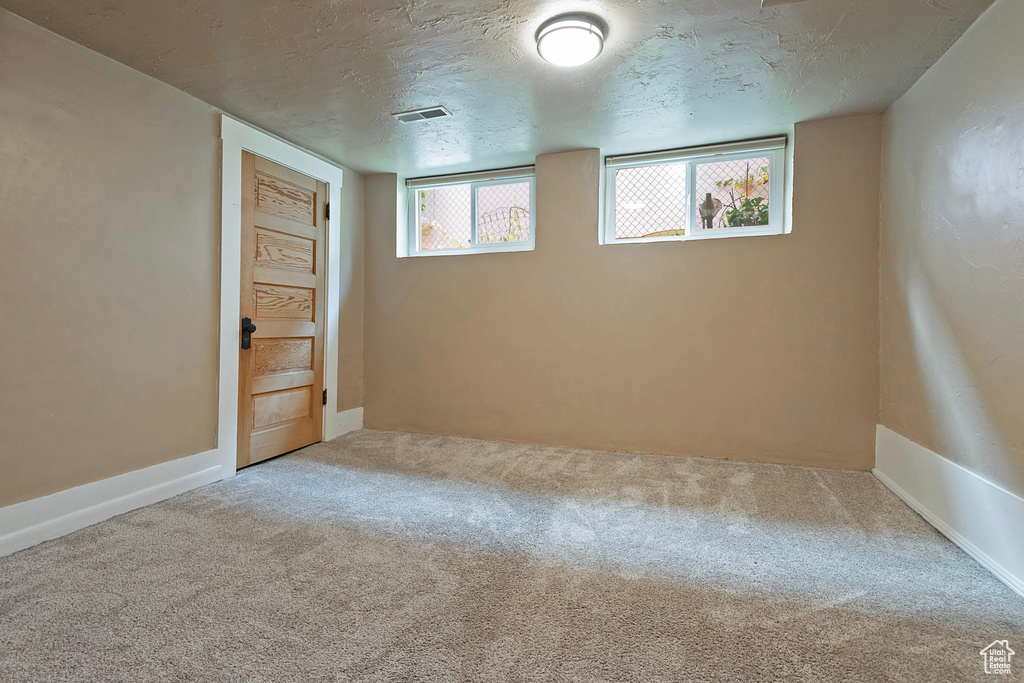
(445, 217)
(739, 193)
(503, 213)
(650, 201)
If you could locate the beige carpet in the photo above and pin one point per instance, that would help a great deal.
(389, 556)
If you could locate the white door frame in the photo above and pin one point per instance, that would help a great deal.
(237, 137)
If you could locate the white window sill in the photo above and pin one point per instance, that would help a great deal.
(717, 233)
(489, 249)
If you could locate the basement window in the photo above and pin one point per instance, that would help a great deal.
(472, 213)
(727, 190)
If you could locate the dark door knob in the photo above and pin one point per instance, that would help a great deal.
(247, 329)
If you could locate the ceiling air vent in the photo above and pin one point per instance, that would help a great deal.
(422, 114)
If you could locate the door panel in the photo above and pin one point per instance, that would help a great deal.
(278, 250)
(282, 198)
(276, 302)
(272, 356)
(283, 257)
(280, 406)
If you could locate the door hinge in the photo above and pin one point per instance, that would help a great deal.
(325, 397)
(327, 211)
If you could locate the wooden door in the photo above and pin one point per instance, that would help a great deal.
(283, 258)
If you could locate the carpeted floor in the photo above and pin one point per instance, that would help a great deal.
(390, 556)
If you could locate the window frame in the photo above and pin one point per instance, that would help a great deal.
(773, 148)
(475, 182)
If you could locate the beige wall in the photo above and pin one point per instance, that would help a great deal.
(110, 202)
(952, 259)
(109, 268)
(759, 348)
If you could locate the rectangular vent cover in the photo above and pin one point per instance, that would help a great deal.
(422, 114)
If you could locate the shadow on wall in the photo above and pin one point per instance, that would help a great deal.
(963, 420)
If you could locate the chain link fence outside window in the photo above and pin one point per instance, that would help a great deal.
(652, 200)
(445, 217)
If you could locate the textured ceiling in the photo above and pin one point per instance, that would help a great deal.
(328, 74)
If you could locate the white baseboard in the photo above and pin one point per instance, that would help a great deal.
(23, 525)
(343, 423)
(984, 519)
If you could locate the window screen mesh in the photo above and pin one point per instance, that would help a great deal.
(503, 213)
(444, 214)
(741, 187)
(650, 201)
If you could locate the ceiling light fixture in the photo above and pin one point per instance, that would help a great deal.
(571, 39)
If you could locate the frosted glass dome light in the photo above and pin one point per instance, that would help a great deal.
(570, 39)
